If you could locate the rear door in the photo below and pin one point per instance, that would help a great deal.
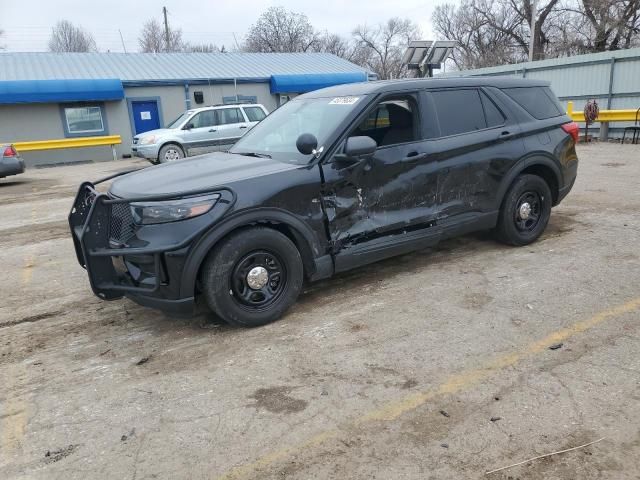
(477, 143)
(231, 125)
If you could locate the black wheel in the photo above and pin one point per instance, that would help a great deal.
(169, 153)
(525, 211)
(252, 277)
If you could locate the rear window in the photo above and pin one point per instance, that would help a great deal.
(540, 102)
(449, 104)
(254, 114)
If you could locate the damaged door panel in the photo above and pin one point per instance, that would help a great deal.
(391, 191)
(474, 151)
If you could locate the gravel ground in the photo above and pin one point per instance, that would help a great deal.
(430, 365)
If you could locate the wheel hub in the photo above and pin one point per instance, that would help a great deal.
(257, 278)
(524, 211)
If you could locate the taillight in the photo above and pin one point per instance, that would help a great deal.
(10, 151)
(572, 129)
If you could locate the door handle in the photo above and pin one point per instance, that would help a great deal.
(243, 126)
(213, 130)
(414, 156)
(505, 135)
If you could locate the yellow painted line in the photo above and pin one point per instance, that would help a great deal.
(453, 384)
(67, 143)
(13, 418)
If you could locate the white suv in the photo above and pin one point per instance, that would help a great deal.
(197, 131)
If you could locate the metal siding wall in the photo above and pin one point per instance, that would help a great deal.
(576, 77)
(213, 93)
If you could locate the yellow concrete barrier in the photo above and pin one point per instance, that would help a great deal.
(77, 142)
(603, 115)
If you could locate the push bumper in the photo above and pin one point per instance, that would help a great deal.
(147, 273)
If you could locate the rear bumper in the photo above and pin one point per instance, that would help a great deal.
(11, 166)
(143, 263)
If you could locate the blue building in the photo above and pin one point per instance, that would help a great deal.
(45, 96)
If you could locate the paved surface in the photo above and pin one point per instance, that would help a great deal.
(392, 371)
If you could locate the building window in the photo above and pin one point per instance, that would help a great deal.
(83, 120)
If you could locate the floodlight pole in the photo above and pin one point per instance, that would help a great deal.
(534, 14)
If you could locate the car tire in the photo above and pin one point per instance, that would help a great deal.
(252, 277)
(525, 211)
(170, 152)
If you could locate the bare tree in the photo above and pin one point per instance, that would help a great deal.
(279, 30)
(66, 37)
(383, 46)
(479, 43)
(153, 38)
(202, 48)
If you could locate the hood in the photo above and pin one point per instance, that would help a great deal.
(195, 173)
(157, 131)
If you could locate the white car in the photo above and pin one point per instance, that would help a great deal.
(199, 130)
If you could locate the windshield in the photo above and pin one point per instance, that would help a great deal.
(276, 135)
(179, 120)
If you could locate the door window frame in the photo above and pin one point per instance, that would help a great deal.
(131, 100)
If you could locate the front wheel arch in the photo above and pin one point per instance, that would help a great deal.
(297, 231)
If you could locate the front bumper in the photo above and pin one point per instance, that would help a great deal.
(144, 263)
(149, 152)
(11, 166)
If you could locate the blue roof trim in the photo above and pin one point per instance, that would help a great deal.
(53, 91)
(308, 82)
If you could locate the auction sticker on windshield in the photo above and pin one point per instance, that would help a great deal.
(344, 101)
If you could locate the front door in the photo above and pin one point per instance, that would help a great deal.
(200, 134)
(145, 115)
(394, 191)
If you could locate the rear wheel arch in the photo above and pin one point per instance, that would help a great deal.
(543, 167)
(300, 234)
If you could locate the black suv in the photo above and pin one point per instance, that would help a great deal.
(332, 180)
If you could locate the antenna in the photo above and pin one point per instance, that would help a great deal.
(122, 40)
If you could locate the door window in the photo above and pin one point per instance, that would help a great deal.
(203, 119)
(494, 116)
(229, 115)
(459, 111)
(254, 114)
(391, 122)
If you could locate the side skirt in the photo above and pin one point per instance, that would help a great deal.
(404, 242)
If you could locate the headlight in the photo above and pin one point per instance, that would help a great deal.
(148, 140)
(149, 213)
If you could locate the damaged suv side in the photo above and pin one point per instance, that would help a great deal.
(332, 180)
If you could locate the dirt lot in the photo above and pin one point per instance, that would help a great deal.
(432, 365)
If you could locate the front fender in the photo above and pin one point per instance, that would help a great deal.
(238, 220)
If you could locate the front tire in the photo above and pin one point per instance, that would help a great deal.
(252, 277)
(170, 152)
(525, 211)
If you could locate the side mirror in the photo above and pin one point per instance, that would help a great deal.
(307, 143)
(360, 147)
(188, 126)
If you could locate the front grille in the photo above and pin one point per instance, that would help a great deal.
(121, 227)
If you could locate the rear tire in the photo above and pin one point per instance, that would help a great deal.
(170, 152)
(525, 211)
(252, 277)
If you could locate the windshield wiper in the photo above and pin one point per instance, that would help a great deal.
(255, 154)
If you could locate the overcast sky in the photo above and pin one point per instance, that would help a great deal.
(27, 23)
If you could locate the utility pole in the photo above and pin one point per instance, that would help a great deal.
(534, 14)
(122, 40)
(166, 29)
